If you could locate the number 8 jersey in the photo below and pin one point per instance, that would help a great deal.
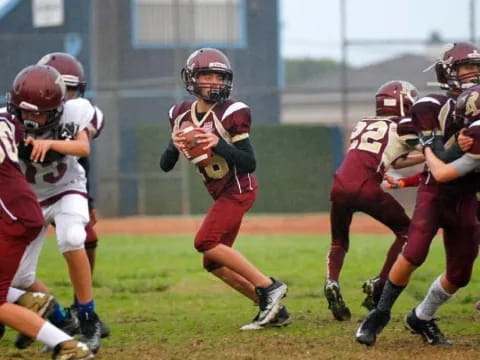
(231, 121)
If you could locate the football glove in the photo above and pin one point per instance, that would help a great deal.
(426, 140)
(66, 131)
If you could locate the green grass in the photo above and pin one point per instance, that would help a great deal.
(160, 304)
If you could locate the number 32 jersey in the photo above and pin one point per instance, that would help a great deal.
(231, 121)
(375, 143)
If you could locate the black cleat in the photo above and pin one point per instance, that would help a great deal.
(269, 299)
(371, 326)
(282, 319)
(373, 289)
(2, 330)
(104, 328)
(427, 329)
(70, 326)
(90, 332)
(336, 304)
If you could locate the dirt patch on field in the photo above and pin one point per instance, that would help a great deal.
(295, 224)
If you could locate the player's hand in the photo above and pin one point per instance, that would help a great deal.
(426, 140)
(210, 140)
(39, 148)
(393, 183)
(465, 142)
(178, 140)
(93, 216)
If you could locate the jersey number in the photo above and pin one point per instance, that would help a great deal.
(51, 178)
(217, 167)
(368, 134)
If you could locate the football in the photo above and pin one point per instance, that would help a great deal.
(194, 151)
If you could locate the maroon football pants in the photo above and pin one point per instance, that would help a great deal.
(370, 199)
(14, 239)
(456, 214)
(222, 223)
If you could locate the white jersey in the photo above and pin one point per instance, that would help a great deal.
(65, 176)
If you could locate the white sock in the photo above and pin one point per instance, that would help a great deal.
(14, 294)
(51, 335)
(435, 298)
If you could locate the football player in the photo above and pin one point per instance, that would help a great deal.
(451, 206)
(21, 221)
(376, 144)
(228, 178)
(56, 133)
(74, 77)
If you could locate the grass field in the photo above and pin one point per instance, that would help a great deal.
(160, 304)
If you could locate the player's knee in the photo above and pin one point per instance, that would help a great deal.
(91, 235)
(203, 245)
(402, 232)
(91, 244)
(340, 242)
(459, 279)
(460, 275)
(416, 260)
(209, 265)
(71, 237)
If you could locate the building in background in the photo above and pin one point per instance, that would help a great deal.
(133, 51)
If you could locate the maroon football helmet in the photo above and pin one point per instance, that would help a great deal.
(70, 68)
(208, 60)
(37, 88)
(467, 108)
(458, 54)
(395, 98)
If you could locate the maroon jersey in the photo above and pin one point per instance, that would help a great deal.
(17, 200)
(375, 143)
(473, 131)
(436, 113)
(231, 121)
(431, 112)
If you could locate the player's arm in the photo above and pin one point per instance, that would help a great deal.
(411, 159)
(447, 156)
(79, 146)
(409, 181)
(443, 172)
(240, 153)
(169, 157)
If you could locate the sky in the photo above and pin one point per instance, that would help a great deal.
(311, 28)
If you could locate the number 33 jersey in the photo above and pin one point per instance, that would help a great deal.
(375, 143)
(231, 121)
(49, 181)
